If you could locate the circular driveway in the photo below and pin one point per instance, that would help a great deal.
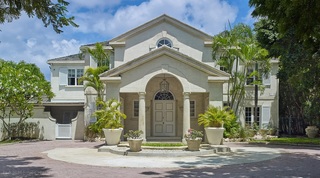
(67, 158)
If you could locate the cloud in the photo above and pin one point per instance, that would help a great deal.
(248, 19)
(211, 16)
(92, 4)
(27, 38)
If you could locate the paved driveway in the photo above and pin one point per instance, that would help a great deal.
(31, 160)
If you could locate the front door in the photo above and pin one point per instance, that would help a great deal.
(164, 118)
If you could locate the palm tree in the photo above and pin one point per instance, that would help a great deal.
(91, 76)
(235, 46)
(100, 56)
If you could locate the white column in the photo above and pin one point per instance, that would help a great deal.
(142, 114)
(186, 113)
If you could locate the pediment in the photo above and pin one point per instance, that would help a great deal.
(164, 51)
(120, 40)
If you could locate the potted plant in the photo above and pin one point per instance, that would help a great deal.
(109, 119)
(134, 139)
(213, 120)
(312, 131)
(193, 138)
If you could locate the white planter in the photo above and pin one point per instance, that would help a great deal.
(214, 135)
(112, 136)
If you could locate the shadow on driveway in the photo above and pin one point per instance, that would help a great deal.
(288, 165)
(14, 167)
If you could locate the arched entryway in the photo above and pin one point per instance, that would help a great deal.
(164, 117)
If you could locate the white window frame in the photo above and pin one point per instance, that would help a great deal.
(251, 112)
(76, 77)
(249, 71)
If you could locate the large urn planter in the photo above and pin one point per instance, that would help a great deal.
(112, 136)
(312, 131)
(135, 144)
(193, 144)
(214, 135)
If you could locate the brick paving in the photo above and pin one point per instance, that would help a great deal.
(28, 160)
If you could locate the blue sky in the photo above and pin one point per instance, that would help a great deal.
(101, 20)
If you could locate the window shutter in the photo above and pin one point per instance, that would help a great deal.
(265, 116)
(63, 76)
(266, 80)
(92, 106)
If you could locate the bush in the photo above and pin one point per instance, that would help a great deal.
(23, 131)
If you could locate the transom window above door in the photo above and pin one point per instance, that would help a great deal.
(164, 41)
(164, 96)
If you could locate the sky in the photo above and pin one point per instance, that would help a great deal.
(101, 20)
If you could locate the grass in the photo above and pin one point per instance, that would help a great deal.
(9, 141)
(289, 140)
(158, 144)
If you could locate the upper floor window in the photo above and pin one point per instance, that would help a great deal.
(251, 77)
(164, 41)
(74, 76)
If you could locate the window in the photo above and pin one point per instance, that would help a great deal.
(264, 79)
(164, 96)
(192, 109)
(135, 108)
(165, 42)
(79, 75)
(74, 75)
(250, 78)
(223, 69)
(249, 115)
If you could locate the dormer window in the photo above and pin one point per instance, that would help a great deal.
(164, 41)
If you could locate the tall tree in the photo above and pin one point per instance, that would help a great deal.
(238, 45)
(298, 27)
(49, 11)
(301, 16)
(22, 85)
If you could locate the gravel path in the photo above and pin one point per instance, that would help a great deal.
(29, 160)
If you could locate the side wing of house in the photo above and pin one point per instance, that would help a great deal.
(268, 101)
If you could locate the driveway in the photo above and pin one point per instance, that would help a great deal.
(31, 159)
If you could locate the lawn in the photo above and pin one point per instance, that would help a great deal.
(162, 144)
(290, 140)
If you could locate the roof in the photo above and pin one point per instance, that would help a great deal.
(158, 20)
(105, 43)
(164, 50)
(74, 58)
(163, 18)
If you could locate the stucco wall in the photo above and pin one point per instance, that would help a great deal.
(143, 43)
(65, 93)
(136, 80)
(46, 126)
(131, 123)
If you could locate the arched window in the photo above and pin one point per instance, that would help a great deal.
(164, 96)
(164, 41)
